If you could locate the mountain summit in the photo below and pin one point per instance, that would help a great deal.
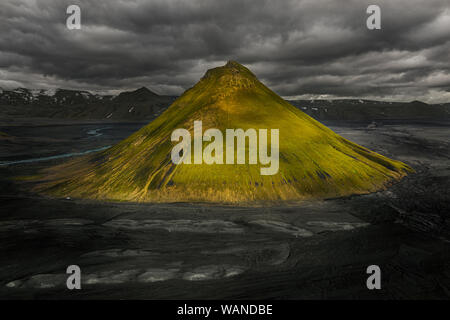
(314, 162)
(140, 95)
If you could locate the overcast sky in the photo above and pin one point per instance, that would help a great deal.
(306, 49)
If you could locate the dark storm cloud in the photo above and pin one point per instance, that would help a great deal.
(299, 48)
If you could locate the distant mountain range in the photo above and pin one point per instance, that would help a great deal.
(370, 110)
(143, 104)
(139, 104)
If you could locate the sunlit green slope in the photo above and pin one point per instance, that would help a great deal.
(314, 161)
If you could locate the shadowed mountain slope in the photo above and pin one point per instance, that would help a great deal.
(314, 161)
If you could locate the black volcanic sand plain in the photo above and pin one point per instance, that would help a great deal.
(313, 249)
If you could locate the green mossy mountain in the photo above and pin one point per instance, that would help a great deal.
(314, 162)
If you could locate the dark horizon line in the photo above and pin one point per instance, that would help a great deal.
(98, 93)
